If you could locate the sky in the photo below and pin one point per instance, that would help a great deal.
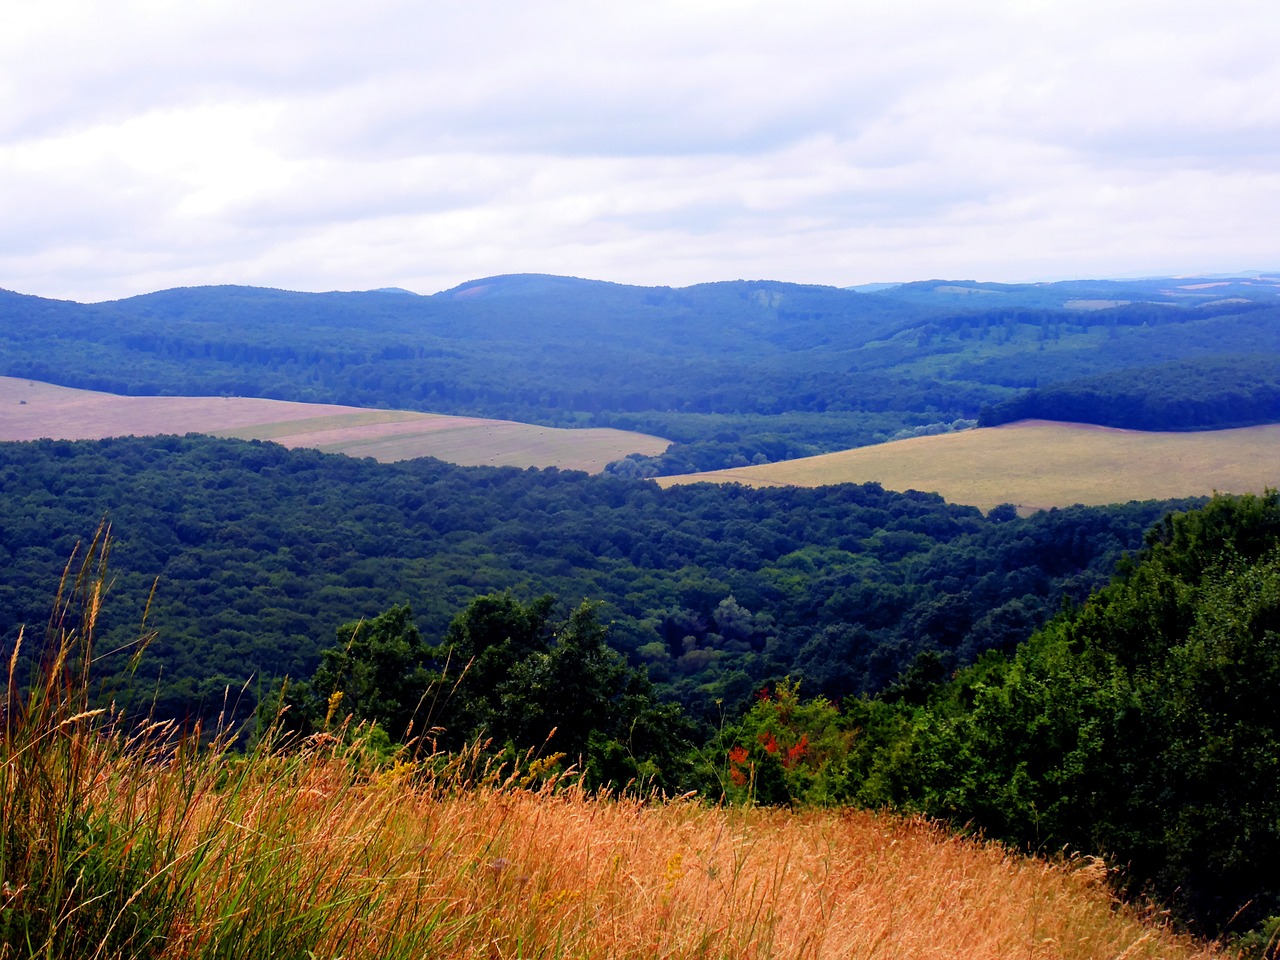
(320, 145)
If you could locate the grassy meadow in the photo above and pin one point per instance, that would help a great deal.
(122, 841)
(305, 854)
(30, 410)
(1036, 464)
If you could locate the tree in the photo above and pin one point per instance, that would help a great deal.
(1138, 727)
(485, 645)
(788, 750)
(524, 680)
(379, 671)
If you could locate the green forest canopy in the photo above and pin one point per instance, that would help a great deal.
(1138, 726)
(262, 552)
(1133, 725)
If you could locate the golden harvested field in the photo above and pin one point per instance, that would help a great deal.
(1035, 464)
(30, 410)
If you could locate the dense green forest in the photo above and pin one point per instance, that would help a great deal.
(1140, 726)
(262, 552)
(734, 372)
(1135, 726)
(1208, 394)
(506, 673)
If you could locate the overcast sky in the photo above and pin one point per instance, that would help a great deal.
(321, 145)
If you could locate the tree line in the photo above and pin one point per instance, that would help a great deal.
(1209, 394)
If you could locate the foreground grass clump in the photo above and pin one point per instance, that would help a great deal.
(144, 844)
(298, 857)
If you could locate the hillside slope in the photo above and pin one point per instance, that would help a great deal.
(735, 373)
(1035, 465)
(263, 552)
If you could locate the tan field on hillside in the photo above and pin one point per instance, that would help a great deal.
(1035, 464)
(30, 410)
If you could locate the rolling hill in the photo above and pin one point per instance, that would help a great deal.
(31, 410)
(734, 373)
(1036, 464)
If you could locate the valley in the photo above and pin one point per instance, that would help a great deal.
(1032, 464)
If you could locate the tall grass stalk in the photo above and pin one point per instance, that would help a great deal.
(149, 842)
(76, 877)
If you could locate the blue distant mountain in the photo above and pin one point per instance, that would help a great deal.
(735, 372)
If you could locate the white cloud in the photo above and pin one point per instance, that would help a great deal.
(322, 145)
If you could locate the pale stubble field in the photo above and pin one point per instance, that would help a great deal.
(30, 410)
(1035, 465)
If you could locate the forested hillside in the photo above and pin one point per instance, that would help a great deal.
(1137, 726)
(1207, 394)
(262, 553)
(1140, 726)
(736, 372)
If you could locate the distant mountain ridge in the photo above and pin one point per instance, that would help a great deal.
(1254, 285)
(736, 372)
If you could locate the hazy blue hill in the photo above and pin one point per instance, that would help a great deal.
(268, 310)
(735, 372)
(726, 315)
(536, 308)
(1084, 294)
(1020, 347)
(23, 313)
(521, 284)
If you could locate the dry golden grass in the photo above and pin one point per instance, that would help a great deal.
(30, 410)
(496, 873)
(1036, 464)
(121, 845)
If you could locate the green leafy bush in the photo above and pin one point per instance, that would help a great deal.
(1140, 726)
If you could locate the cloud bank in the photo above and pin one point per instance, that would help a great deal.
(314, 146)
